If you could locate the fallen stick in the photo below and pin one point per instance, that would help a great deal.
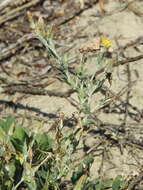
(17, 11)
(123, 62)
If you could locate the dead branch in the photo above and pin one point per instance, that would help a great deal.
(35, 91)
(123, 62)
(135, 181)
(13, 48)
(16, 12)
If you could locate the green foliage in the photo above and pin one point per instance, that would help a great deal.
(79, 80)
(44, 142)
(19, 139)
(33, 161)
(118, 183)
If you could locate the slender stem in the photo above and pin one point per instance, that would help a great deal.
(18, 184)
(48, 47)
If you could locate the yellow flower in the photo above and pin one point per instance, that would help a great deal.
(105, 42)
